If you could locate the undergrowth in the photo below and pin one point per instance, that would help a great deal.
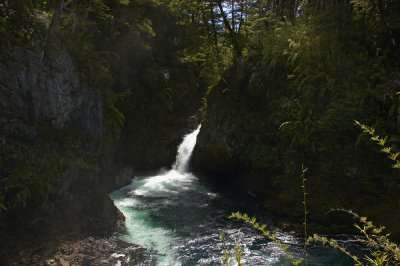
(383, 251)
(32, 168)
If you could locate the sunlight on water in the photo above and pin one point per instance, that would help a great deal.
(185, 151)
(179, 221)
(142, 230)
(165, 185)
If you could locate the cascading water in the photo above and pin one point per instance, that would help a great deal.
(185, 151)
(179, 221)
(146, 196)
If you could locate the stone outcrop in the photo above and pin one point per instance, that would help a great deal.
(85, 251)
(218, 147)
(34, 88)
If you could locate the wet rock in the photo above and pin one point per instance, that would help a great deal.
(87, 260)
(122, 178)
(89, 251)
(62, 262)
(50, 262)
(101, 263)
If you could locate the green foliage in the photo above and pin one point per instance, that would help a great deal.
(261, 227)
(226, 260)
(292, 98)
(20, 24)
(381, 142)
(285, 78)
(114, 119)
(163, 81)
(31, 180)
(384, 251)
(83, 24)
(32, 168)
(303, 171)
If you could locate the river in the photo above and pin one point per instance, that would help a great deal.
(179, 219)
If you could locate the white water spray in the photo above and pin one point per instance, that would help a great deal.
(162, 188)
(176, 180)
(185, 151)
(178, 220)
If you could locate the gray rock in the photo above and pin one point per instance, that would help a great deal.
(34, 90)
(123, 178)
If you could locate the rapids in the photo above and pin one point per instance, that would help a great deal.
(179, 220)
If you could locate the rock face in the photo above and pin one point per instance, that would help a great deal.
(214, 151)
(80, 204)
(86, 251)
(33, 89)
(36, 90)
(220, 144)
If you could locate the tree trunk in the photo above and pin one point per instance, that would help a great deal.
(214, 27)
(231, 32)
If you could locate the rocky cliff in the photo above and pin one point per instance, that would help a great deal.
(52, 168)
(34, 89)
(86, 100)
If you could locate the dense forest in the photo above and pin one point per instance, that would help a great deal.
(300, 74)
(92, 90)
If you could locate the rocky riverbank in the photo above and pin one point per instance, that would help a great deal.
(87, 251)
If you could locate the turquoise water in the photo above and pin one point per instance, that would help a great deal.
(179, 221)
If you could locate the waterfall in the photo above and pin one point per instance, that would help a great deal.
(178, 220)
(185, 151)
(148, 197)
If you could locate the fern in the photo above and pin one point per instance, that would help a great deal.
(386, 251)
(381, 142)
(261, 227)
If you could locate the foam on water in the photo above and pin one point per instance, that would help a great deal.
(140, 229)
(164, 185)
(179, 221)
(185, 151)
